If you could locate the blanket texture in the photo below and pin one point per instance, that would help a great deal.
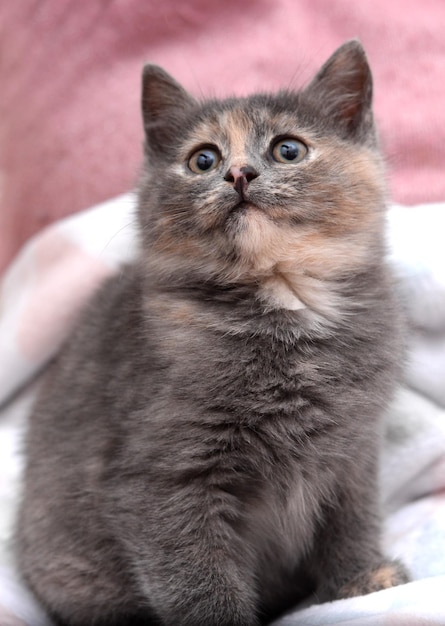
(70, 130)
(57, 271)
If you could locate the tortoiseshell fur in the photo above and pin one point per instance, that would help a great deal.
(205, 449)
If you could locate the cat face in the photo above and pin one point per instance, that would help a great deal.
(280, 191)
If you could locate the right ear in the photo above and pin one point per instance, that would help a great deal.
(343, 91)
(163, 99)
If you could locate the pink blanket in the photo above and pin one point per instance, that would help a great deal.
(70, 130)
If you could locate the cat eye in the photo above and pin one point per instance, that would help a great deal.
(289, 150)
(204, 160)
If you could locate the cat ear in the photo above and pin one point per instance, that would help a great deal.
(343, 91)
(163, 99)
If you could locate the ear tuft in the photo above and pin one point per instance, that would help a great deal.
(343, 91)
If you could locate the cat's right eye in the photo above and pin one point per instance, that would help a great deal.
(204, 160)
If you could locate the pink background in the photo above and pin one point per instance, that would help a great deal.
(70, 130)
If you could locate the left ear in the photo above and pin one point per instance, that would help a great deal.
(342, 90)
(163, 101)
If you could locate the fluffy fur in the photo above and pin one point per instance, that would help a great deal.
(205, 448)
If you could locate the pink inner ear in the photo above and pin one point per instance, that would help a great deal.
(64, 276)
(345, 83)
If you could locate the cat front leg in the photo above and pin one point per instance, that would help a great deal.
(199, 585)
(347, 558)
(189, 562)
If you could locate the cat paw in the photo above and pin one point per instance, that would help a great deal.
(387, 574)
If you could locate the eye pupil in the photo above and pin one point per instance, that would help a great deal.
(289, 151)
(205, 161)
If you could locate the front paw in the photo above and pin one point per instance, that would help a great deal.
(387, 574)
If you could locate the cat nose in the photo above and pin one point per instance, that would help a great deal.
(241, 177)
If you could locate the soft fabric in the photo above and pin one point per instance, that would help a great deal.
(70, 129)
(57, 271)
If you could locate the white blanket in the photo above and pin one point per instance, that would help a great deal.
(58, 270)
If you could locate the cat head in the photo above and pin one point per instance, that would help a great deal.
(268, 190)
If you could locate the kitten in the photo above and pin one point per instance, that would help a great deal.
(205, 448)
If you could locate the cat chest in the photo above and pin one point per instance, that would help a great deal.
(247, 378)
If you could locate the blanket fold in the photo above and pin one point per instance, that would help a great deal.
(56, 272)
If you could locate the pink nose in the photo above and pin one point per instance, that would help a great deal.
(241, 177)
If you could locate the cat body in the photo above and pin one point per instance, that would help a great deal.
(205, 448)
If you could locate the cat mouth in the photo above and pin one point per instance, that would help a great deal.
(238, 214)
(243, 206)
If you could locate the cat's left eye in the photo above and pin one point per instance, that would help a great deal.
(289, 150)
(204, 160)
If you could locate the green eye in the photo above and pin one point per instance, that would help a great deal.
(289, 150)
(204, 160)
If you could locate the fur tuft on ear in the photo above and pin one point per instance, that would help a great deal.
(342, 89)
(162, 100)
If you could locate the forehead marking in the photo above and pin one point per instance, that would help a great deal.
(237, 127)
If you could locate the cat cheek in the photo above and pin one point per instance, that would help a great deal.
(210, 216)
(329, 258)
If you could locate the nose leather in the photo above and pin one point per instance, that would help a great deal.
(240, 177)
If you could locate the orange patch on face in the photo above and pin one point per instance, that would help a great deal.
(360, 196)
(295, 266)
(259, 241)
(238, 131)
(264, 244)
(327, 257)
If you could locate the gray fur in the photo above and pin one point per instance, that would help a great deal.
(201, 455)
